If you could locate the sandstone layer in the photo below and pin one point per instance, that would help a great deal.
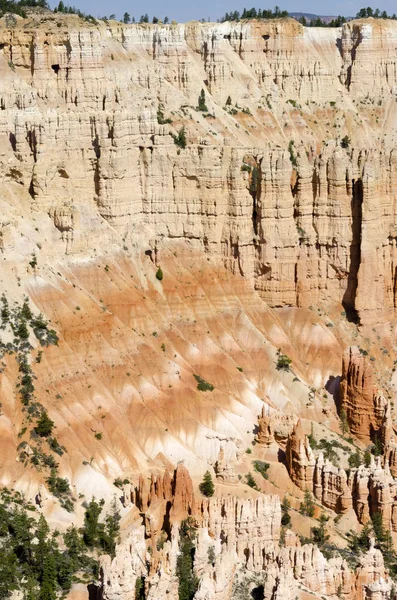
(176, 279)
(307, 221)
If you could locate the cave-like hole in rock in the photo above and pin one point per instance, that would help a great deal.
(258, 593)
(55, 68)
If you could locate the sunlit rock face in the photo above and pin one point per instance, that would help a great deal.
(164, 260)
(265, 182)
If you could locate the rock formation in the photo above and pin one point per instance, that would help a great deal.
(300, 458)
(327, 482)
(224, 470)
(175, 491)
(375, 490)
(265, 434)
(368, 489)
(244, 537)
(365, 409)
(308, 233)
(330, 486)
(274, 426)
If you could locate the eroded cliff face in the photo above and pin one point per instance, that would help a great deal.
(310, 225)
(237, 551)
(279, 211)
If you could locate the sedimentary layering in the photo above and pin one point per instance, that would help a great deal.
(201, 268)
(306, 220)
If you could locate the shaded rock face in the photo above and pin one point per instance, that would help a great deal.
(236, 549)
(365, 409)
(368, 490)
(83, 140)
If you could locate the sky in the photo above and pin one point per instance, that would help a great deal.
(185, 10)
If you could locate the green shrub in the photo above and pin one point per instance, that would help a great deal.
(203, 385)
(355, 460)
(207, 487)
(159, 274)
(161, 120)
(345, 141)
(140, 588)
(180, 139)
(262, 467)
(44, 425)
(292, 155)
(249, 480)
(283, 362)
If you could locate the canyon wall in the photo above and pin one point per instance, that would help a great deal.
(310, 219)
(284, 192)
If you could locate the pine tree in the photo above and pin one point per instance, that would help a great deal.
(8, 571)
(44, 425)
(201, 102)
(126, 18)
(111, 532)
(187, 581)
(307, 507)
(319, 534)
(73, 544)
(207, 487)
(26, 313)
(91, 525)
(180, 139)
(41, 549)
(49, 581)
